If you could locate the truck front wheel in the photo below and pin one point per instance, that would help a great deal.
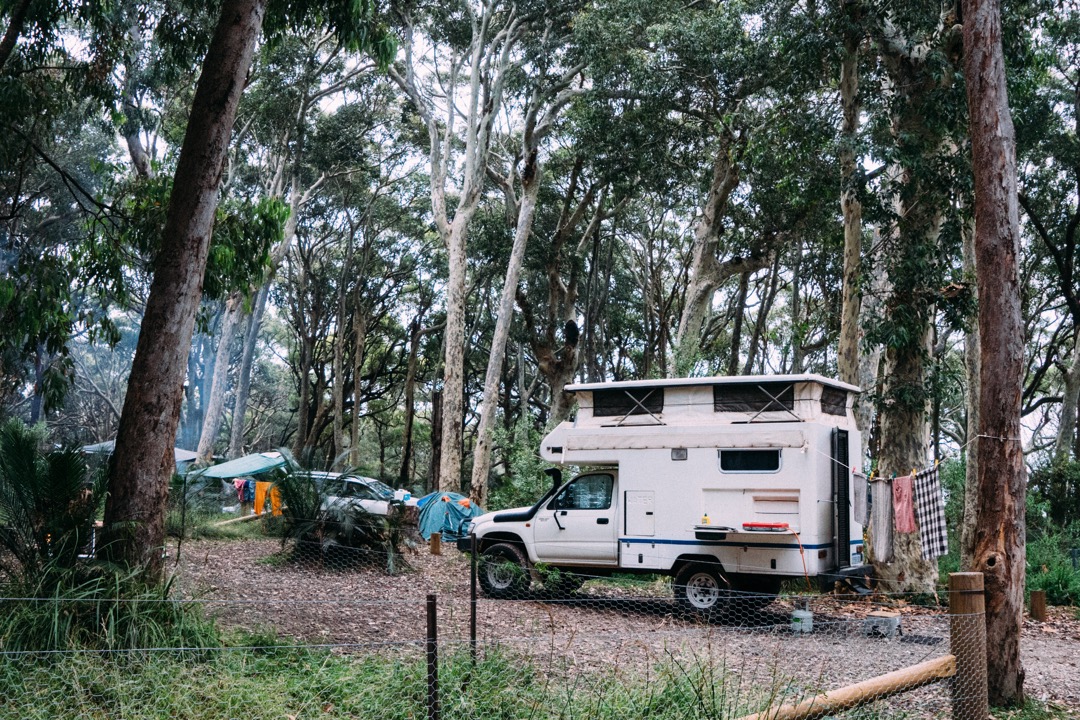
(504, 571)
(702, 591)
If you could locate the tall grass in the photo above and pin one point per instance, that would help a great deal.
(270, 681)
(107, 610)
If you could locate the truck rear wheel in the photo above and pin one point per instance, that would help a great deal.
(503, 571)
(700, 590)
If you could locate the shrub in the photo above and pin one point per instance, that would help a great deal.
(48, 503)
(524, 481)
(341, 532)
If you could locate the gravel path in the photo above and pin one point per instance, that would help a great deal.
(605, 628)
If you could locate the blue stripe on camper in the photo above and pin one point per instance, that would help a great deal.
(729, 543)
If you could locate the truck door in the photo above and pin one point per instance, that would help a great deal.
(578, 525)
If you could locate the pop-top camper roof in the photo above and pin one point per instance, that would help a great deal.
(713, 400)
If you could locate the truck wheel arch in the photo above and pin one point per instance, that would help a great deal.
(494, 538)
(683, 560)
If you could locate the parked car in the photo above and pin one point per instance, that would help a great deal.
(372, 495)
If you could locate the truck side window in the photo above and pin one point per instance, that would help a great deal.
(588, 492)
(749, 460)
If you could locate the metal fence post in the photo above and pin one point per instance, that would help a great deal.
(967, 637)
(472, 598)
(432, 660)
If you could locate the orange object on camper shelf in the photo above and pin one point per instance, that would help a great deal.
(764, 526)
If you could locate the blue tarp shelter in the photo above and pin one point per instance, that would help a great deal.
(445, 513)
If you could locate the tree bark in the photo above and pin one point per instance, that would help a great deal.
(14, 29)
(214, 412)
(360, 336)
(1065, 443)
(999, 535)
(526, 212)
(736, 332)
(972, 364)
(143, 459)
(848, 353)
(243, 383)
(706, 271)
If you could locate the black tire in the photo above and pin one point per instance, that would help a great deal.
(503, 571)
(701, 591)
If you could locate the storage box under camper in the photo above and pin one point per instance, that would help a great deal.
(744, 481)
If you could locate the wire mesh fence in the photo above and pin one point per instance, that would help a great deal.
(355, 642)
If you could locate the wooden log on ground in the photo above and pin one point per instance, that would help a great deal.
(233, 521)
(851, 696)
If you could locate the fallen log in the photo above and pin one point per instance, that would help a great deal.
(233, 521)
(866, 691)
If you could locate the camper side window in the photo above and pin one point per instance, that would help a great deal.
(744, 461)
(588, 492)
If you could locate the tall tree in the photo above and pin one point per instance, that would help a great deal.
(143, 458)
(482, 42)
(999, 535)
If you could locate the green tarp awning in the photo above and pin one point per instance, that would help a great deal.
(247, 465)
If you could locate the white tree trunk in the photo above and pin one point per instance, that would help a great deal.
(482, 451)
(215, 407)
(1066, 436)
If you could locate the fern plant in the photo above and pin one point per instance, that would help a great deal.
(48, 503)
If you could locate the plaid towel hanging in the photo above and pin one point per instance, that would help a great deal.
(930, 513)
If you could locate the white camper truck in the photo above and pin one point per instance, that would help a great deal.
(724, 483)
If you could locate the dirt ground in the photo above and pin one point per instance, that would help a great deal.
(248, 585)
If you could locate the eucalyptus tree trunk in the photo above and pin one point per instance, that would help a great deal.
(706, 271)
(485, 69)
(360, 337)
(526, 213)
(918, 204)
(972, 365)
(1065, 443)
(243, 383)
(215, 405)
(736, 332)
(251, 337)
(405, 470)
(999, 536)
(143, 459)
(848, 354)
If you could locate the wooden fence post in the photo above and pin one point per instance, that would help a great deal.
(1038, 605)
(967, 637)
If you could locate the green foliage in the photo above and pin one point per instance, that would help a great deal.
(524, 481)
(48, 503)
(1057, 486)
(101, 609)
(244, 232)
(1050, 567)
(340, 531)
(259, 676)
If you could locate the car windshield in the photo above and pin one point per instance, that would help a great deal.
(379, 488)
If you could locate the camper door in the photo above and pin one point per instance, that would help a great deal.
(578, 525)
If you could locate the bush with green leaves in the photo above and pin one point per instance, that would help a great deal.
(48, 504)
(340, 532)
(57, 595)
(524, 481)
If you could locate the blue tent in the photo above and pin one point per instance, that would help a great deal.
(446, 513)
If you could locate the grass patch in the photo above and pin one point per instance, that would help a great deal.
(1033, 710)
(261, 678)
